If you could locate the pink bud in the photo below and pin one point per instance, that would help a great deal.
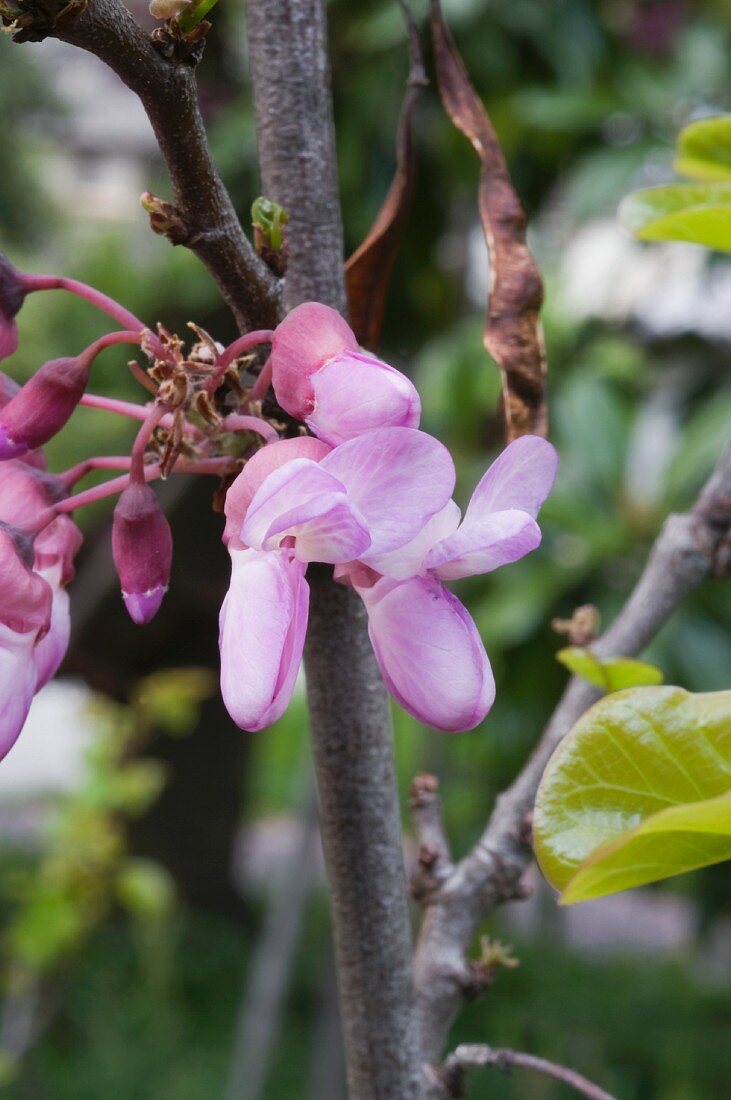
(12, 296)
(42, 406)
(303, 342)
(321, 376)
(142, 546)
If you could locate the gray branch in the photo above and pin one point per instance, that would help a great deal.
(350, 719)
(449, 1079)
(689, 548)
(167, 90)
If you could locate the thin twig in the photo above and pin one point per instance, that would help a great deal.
(451, 1076)
(168, 92)
(689, 548)
(434, 859)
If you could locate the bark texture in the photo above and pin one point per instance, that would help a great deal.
(351, 726)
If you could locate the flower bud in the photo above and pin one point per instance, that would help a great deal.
(142, 547)
(322, 377)
(12, 296)
(42, 406)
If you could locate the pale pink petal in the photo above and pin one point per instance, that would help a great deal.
(408, 561)
(397, 478)
(51, 650)
(262, 632)
(521, 477)
(255, 472)
(17, 683)
(482, 545)
(305, 340)
(431, 657)
(355, 393)
(304, 503)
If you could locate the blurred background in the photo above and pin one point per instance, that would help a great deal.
(163, 911)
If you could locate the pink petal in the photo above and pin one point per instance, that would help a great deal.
(429, 652)
(301, 501)
(51, 650)
(17, 684)
(480, 546)
(397, 478)
(355, 393)
(8, 336)
(408, 561)
(25, 597)
(254, 473)
(306, 338)
(262, 632)
(521, 477)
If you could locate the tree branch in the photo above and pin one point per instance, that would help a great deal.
(689, 548)
(449, 1080)
(349, 709)
(168, 92)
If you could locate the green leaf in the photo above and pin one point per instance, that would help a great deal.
(704, 149)
(667, 843)
(608, 673)
(631, 758)
(696, 212)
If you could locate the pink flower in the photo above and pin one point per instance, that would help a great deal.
(34, 615)
(321, 376)
(299, 501)
(378, 508)
(428, 649)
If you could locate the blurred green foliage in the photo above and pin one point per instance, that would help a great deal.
(131, 1025)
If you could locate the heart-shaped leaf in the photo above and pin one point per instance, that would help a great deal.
(704, 149)
(608, 673)
(695, 212)
(603, 819)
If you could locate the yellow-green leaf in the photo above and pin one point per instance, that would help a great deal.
(704, 149)
(696, 212)
(608, 673)
(634, 755)
(670, 842)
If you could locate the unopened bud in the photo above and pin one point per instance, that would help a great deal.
(321, 376)
(12, 296)
(142, 547)
(165, 219)
(42, 406)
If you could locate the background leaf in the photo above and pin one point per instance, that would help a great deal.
(633, 755)
(608, 673)
(696, 212)
(704, 149)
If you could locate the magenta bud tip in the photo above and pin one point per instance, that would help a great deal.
(144, 606)
(9, 448)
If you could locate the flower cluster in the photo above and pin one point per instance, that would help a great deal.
(371, 495)
(357, 487)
